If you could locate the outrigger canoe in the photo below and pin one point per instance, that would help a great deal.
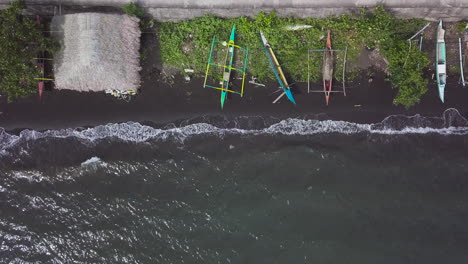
(227, 70)
(275, 66)
(441, 67)
(327, 68)
(227, 67)
(40, 63)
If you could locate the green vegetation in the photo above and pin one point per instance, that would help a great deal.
(405, 70)
(462, 26)
(187, 44)
(132, 9)
(21, 40)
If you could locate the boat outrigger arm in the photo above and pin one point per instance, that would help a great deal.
(276, 67)
(227, 67)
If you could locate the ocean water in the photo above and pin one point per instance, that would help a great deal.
(244, 190)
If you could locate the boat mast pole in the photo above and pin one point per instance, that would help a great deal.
(420, 42)
(420, 31)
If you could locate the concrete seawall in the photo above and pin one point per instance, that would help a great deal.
(173, 10)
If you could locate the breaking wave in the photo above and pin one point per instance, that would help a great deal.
(451, 123)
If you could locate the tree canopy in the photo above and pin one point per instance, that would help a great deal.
(21, 40)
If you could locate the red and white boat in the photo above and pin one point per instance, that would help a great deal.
(327, 68)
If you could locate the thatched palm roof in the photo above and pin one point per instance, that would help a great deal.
(98, 52)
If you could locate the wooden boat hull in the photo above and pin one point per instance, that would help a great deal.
(327, 69)
(40, 89)
(327, 84)
(441, 64)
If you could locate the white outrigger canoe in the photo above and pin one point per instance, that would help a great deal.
(441, 67)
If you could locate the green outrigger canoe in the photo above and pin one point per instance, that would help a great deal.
(227, 67)
(441, 67)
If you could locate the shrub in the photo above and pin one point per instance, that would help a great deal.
(132, 9)
(462, 26)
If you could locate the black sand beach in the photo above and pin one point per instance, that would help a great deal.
(162, 103)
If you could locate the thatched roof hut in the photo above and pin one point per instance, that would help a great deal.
(98, 52)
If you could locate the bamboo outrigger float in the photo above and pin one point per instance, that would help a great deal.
(441, 67)
(327, 70)
(227, 67)
(276, 67)
(462, 73)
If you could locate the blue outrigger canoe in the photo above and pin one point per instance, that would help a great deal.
(275, 66)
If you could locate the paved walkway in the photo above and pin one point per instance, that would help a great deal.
(167, 10)
(262, 3)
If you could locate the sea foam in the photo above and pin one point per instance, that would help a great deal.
(451, 123)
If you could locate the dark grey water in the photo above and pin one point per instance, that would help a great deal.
(265, 191)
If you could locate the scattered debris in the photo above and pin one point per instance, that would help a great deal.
(279, 97)
(187, 78)
(123, 95)
(188, 47)
(297, 27)
(357, 105)
(189, 70)
(254, 82)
